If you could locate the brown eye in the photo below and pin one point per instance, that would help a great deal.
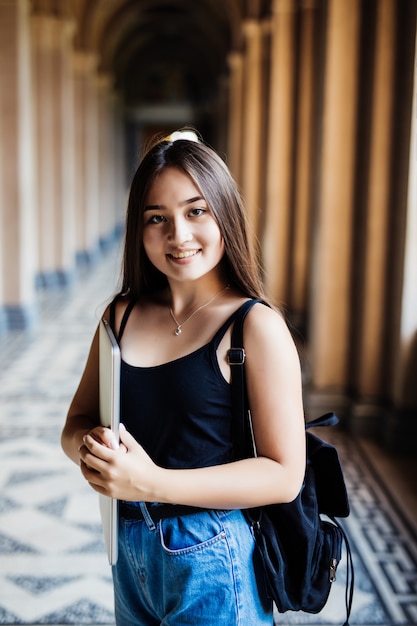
(197, 211)
(155, 219)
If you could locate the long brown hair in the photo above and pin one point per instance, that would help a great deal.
(214, 181)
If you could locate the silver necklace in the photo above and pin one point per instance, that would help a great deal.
(178, 329)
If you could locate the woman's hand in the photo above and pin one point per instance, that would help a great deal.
(122, 471)
(103, 435)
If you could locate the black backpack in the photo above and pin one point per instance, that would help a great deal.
(299, 548)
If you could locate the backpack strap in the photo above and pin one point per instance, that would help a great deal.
(328, 419)
(243, 440)
(350, 572)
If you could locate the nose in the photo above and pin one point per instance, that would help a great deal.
(179, 231)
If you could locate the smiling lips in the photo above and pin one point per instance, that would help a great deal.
(184, 254)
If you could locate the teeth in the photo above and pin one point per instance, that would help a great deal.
(183, 255)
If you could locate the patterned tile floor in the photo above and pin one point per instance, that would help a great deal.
(53, 568)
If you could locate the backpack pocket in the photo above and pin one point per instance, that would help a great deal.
(327, 558)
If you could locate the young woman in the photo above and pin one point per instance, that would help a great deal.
(186, 551)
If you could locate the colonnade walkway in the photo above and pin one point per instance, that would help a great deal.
(53, 567)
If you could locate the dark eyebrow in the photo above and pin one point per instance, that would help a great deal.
(160, 207)
(191, 200)
(153, 207)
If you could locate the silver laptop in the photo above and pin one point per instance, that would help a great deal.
(109, 381)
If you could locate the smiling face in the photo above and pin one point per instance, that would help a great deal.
(181, 237)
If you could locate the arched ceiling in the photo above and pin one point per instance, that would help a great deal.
(160, 51)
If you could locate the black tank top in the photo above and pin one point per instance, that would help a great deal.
(181, 411)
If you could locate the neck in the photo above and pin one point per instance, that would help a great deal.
(195, 310)
(185, 297)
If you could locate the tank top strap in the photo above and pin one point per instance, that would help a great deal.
(241, 311)
(125, 317)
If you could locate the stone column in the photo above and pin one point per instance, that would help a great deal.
(106, 158)
(67, 216)
(122, 176)
(86, 156)
(276, 232)
(329, 329)
(303, 167)
(401, 428)
(3, 316)
(17, 193)
(235, 60)
(221, 114)
(112, 170)
(372, 346)
(252, 120)
(52, 41)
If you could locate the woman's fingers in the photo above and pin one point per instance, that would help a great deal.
(117, 472)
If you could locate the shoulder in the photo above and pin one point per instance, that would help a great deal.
(265, 331)
(263, 318)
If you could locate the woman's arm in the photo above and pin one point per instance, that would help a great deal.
(84, 413)
(275, 396)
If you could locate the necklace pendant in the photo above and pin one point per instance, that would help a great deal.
(178, 329)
